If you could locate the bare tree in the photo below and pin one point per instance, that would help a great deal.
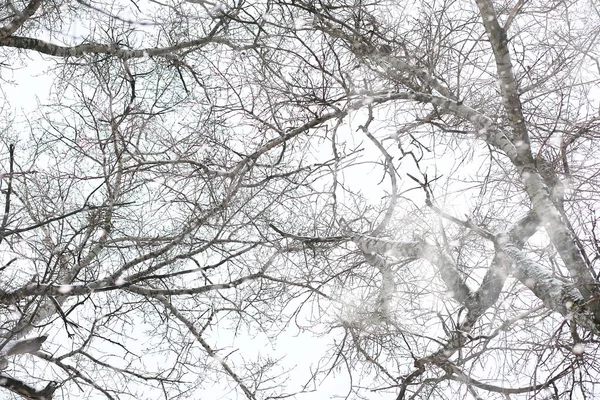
(412, 185)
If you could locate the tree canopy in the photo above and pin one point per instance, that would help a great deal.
(299, 199)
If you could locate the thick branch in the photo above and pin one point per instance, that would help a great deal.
(445, 265)
(27, 391)
(556, 295)
(55, 50)
(489, 291)
(189, 291)
(508, 83)
(534, 184)
(20, 19)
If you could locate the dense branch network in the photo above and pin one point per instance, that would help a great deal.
(200, 172)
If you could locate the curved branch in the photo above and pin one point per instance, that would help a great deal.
(391, 172)
(534, 184)
(462, 377)
(203, 289)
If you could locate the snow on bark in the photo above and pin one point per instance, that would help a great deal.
(18, 387)
(557, 231)
(555, 294)
(448, 271)
(536, 188)
(508, 86)
(489, 291)
(20, 18)
(14, 347)
(388, 287)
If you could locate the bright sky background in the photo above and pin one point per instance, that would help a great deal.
(299, 349)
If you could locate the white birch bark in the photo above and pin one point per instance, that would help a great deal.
(555, 294)
(523, 160)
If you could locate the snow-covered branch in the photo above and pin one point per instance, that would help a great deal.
(447, 268)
